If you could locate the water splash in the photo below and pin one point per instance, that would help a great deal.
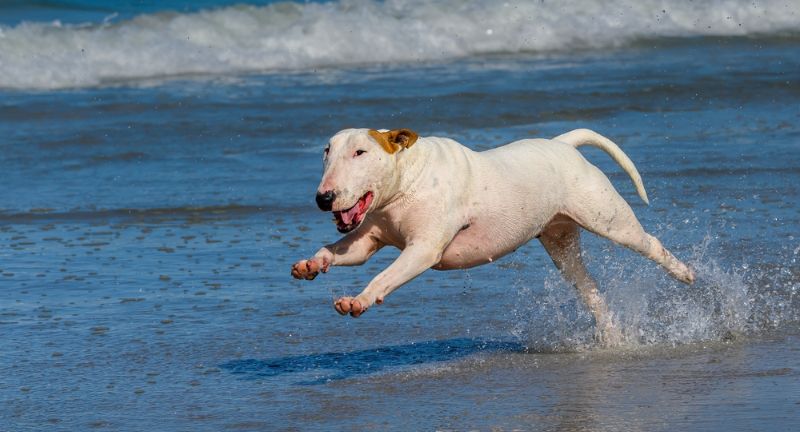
(727, 301)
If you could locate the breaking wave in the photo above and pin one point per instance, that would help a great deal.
(302, 36)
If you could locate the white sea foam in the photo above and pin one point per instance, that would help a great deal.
(300, 36)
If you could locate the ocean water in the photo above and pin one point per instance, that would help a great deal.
(158, 168)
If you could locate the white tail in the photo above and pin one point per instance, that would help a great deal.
(581, 137)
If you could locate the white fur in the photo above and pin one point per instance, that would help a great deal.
(448, 207)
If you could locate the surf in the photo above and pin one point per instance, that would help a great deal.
(306, 36)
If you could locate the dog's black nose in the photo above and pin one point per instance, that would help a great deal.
(325, 200)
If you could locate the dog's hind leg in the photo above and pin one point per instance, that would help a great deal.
(561, 240)
(601, 210)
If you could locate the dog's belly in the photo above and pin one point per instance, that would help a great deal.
(478, 245)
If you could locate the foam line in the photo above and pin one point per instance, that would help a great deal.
(241, 39)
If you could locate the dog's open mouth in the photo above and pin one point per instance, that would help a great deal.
(347, 220)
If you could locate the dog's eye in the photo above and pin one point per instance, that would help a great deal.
(360, 152)
(327, 149)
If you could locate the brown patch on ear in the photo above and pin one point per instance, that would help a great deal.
(403, 137)
(383, 139)
(394, 140)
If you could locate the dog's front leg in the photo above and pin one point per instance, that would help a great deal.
(414, 260)
(352, 249)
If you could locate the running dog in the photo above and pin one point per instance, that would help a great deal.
(448, 207)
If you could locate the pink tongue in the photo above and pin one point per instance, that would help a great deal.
(350, 215)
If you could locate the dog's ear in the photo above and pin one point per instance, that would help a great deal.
(405, 138)
(394, 140)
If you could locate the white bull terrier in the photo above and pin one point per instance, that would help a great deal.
(448, 207)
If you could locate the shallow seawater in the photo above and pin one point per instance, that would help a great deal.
(148, 228)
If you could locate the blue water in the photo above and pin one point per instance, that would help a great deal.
(149, 216)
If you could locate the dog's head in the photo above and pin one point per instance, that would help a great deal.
(359, 172)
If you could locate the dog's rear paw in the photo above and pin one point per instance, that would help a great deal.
(608, 335)
(349, 305)
(681, 272)
(690, 277)
(684, 274)
(306, 269)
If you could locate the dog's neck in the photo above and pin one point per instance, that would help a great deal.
(408, 172)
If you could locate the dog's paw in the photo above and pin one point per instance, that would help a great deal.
(690, 276)
(306, 269)
(350, 305)
(609, 336)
